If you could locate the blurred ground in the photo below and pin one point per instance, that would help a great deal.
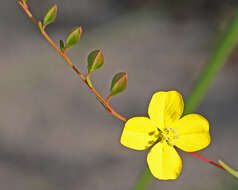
(54, 134)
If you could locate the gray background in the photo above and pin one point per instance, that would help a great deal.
(53, 132)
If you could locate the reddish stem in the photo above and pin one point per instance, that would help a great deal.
(66, 58)
(108, 98)
(206, 160)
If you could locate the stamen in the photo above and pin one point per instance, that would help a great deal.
(169, 135)
(151, 133)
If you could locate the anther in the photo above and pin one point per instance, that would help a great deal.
(151, 133)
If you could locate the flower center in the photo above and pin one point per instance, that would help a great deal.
(169, 135)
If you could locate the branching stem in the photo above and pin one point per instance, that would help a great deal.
(75, 69)
(109, 98)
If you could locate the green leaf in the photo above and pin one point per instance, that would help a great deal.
(50, 15)
(40, 26)
(74, 37)
(62, 46)
(229, 169)
(119, 83)
(95, 60)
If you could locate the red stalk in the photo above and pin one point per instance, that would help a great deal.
(206, 160)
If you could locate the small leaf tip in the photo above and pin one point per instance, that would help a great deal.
(228, 169)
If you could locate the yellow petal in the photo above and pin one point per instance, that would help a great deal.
(164, 161)
(139, 133)
(165, 108)
(193, 133)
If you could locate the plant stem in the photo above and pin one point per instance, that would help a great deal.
(108, 98)
(206, 160)
(75, 69)
(218, 58)
(25, 8)
(144, 181)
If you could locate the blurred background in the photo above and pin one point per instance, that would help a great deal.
(54, 135)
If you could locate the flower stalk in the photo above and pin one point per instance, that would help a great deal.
(206, 160)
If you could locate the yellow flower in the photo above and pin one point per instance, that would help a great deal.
(165, 129)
